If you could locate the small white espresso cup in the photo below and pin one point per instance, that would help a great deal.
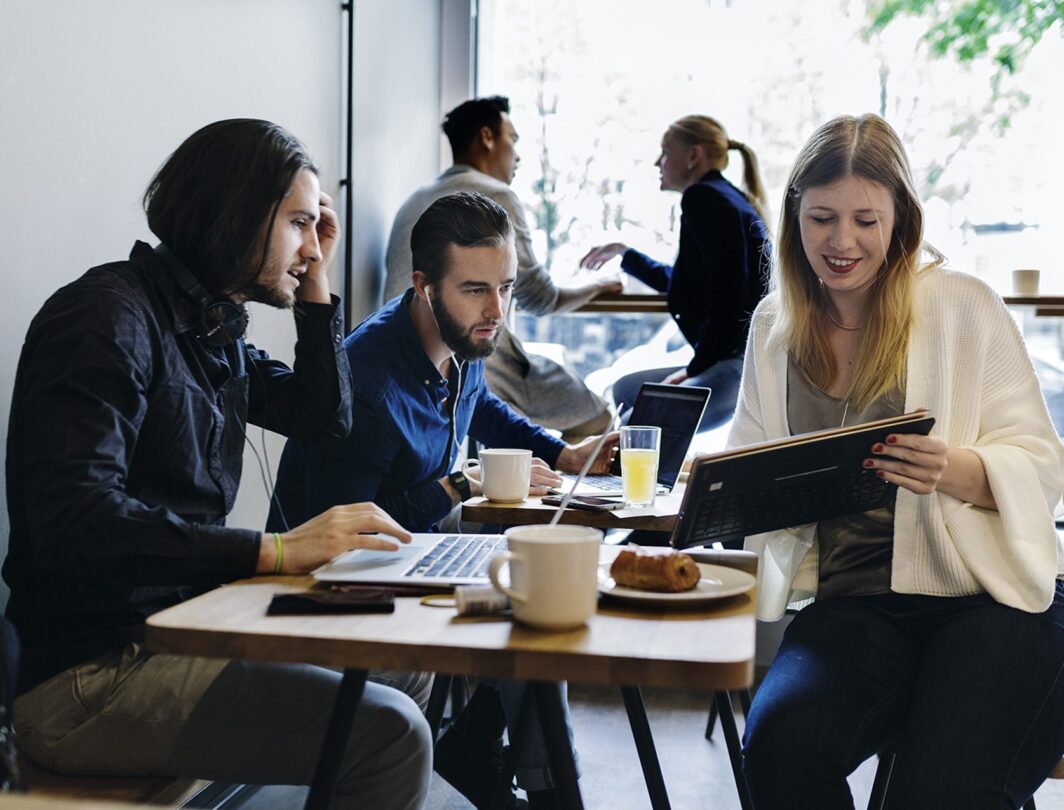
(505, 475)
(1025, 282)
(553, 574)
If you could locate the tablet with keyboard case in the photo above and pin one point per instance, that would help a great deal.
(787, 482)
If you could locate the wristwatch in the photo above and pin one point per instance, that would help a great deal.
(461, 483)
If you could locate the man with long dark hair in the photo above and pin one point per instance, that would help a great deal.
(124, 455)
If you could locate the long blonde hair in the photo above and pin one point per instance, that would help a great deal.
(864, 147)
(701, 130)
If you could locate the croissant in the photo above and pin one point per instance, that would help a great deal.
(671, 572)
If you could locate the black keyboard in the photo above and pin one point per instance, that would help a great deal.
(603, 483)
(458, 557)
(740, 514)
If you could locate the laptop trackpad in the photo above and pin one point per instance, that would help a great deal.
(367, 559)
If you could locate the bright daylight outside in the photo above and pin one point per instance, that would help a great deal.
(594, 83)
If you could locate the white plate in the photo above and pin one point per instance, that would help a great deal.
(717, 582)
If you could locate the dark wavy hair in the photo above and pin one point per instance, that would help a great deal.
(214, 200)
(466, 219)
(462, 124)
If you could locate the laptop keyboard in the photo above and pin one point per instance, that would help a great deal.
(458, 556)
(603, 483)
(744, 513)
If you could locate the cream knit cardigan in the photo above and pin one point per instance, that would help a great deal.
(969, 367)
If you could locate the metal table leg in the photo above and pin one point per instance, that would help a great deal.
(334, 746)
(552, 716)
(644, 745)
(441, 687)
(735, 749)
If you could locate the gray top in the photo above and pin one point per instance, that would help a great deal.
(856, 550)
(548, 394)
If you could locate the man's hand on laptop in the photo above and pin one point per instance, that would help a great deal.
(333, 532)
(572, 458)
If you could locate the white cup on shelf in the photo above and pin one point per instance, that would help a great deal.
(1025, 282)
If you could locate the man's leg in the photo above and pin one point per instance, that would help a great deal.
(724, 378)
(626, 389)
(237, 721)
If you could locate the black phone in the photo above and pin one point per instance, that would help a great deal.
(588, 502)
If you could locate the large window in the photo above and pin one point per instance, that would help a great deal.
(594, 83)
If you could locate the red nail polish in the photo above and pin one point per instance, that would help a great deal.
(868, 462)
(881, 474)
(892, 439)
(877, 448)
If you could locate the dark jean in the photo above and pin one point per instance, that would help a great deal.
(722, 377)
(970, 691)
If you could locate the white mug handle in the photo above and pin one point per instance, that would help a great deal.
(496, 564)
(469, 463)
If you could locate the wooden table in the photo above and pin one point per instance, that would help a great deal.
(709, 648)
(625, 302)
(1051, 306)
(661, 517)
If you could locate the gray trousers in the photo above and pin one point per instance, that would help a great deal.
(131, 712)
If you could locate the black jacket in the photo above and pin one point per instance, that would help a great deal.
(124, 454)
(719, 274)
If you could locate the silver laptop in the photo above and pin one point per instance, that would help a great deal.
(439, 560)
(677, 410)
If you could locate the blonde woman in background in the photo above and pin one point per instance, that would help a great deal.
(719, 273)
(938, 620)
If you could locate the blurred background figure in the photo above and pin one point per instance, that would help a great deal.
(720, 270)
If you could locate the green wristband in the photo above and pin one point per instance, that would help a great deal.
(280, 552)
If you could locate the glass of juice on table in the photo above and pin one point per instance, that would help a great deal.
(639, 464)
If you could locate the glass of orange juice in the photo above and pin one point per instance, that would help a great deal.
(639, 464)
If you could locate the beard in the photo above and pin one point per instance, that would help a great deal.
(270, 288)
(461, 341)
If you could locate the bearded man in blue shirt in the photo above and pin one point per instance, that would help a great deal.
(418, 390)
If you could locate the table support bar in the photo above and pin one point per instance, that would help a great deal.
(337, 736)
(644, 745)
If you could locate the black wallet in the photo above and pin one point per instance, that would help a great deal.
(350, 600)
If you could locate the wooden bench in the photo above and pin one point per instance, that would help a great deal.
(162, 791)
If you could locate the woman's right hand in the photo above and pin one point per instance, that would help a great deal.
(333, 532)
(598, 256)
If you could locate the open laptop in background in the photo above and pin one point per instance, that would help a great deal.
(677, 410)
(788, 482)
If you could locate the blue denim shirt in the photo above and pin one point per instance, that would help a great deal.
(401, 442)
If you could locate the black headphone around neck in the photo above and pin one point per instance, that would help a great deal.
(221, 322)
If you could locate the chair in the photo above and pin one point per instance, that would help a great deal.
(886, 765)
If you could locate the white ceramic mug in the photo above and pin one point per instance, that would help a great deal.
(553, 574)
(505, 475)
(1025, 282)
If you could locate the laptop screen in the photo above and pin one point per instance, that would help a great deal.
(677, 410)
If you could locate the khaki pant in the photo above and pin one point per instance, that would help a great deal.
(132, 712)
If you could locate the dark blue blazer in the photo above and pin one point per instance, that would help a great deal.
(720, 272)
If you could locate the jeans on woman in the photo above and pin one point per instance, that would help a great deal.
(970, 692)
(722, 377)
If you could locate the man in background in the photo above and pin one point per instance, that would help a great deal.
(484, 145)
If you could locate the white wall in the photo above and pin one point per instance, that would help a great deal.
(397, 125)
(94, 96)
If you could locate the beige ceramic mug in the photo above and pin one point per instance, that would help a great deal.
(505, 475)
(553, 574)
(1025, 282)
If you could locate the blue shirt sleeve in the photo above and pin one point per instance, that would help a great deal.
(496, 424)
(356, 469)
(655, 274)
